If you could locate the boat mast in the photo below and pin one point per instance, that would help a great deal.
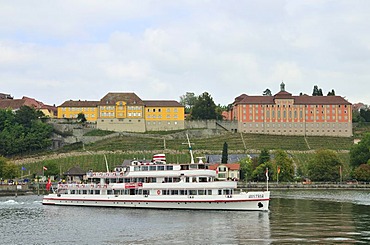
(106, 163)
(190, 150)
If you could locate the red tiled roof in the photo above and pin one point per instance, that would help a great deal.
(230, 166)
(11, 104)
(299, 100)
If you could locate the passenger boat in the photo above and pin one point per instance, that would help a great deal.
(157, 184)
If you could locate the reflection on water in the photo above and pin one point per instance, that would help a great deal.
(294, 218)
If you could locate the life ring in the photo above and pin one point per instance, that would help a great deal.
(158, 192)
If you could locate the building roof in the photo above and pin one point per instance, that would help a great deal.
(76, 170)
(79, 103)
(231, 157)
(11, 104)
(166, 103)
(230, 166)
(298, 100)
(129, 98)
(5, 96)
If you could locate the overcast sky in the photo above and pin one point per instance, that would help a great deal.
(55, 51)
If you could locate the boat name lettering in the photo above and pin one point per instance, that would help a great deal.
(256, 196)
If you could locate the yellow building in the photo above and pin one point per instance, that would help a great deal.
(164, 115)
(127, 112)
(70, 109)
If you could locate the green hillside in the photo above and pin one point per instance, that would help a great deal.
(215, 143)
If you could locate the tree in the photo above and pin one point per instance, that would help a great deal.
(331, 93)
(246, 168)
(362, 172)
(264, 156)
(81, 117)
(8, 170)
(26, 115)
(285, 164)
(360, 153)
(225, 155)
(3, 162)
(259, 174)
(267, 92)
(23, 131)
(317, 91)
(188, 100)
(204, 108)
(365, 114)
(324, 166)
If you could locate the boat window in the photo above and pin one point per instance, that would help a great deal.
(183, 192)
(192, 192)
(160, 167)
(184, 167)
(227, 192)
(126, 180)
(165, 192)
(201, 166)
(140, 180)
(97, 192)
(91, 192)
(127, 192)
(133, 180)
(73, 191)
(152, 180)
(193, 166)
(109, 192)
(145, 192)
(144, 168)
(174, 192)
(201, 192)
(84, 192)
(152, 168)
(176, 179)
(136, 168)
(117, 192)
(138, 191)
(168, 180)
(170, 167)
(220, 192)
(209, 192)
(187, 179)
(202, 179)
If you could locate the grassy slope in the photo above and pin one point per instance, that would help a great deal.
(120, 148)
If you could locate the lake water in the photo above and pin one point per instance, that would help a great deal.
(295, 217)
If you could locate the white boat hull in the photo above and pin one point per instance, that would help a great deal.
(251, 201)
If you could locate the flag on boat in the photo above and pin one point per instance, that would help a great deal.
(48, 184)
(44, 168)
(267, 173)
(159, 157)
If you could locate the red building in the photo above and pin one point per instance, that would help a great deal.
(286, 114)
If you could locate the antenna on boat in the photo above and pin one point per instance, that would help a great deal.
(190, 150)
(106, 163)
(200, 159)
